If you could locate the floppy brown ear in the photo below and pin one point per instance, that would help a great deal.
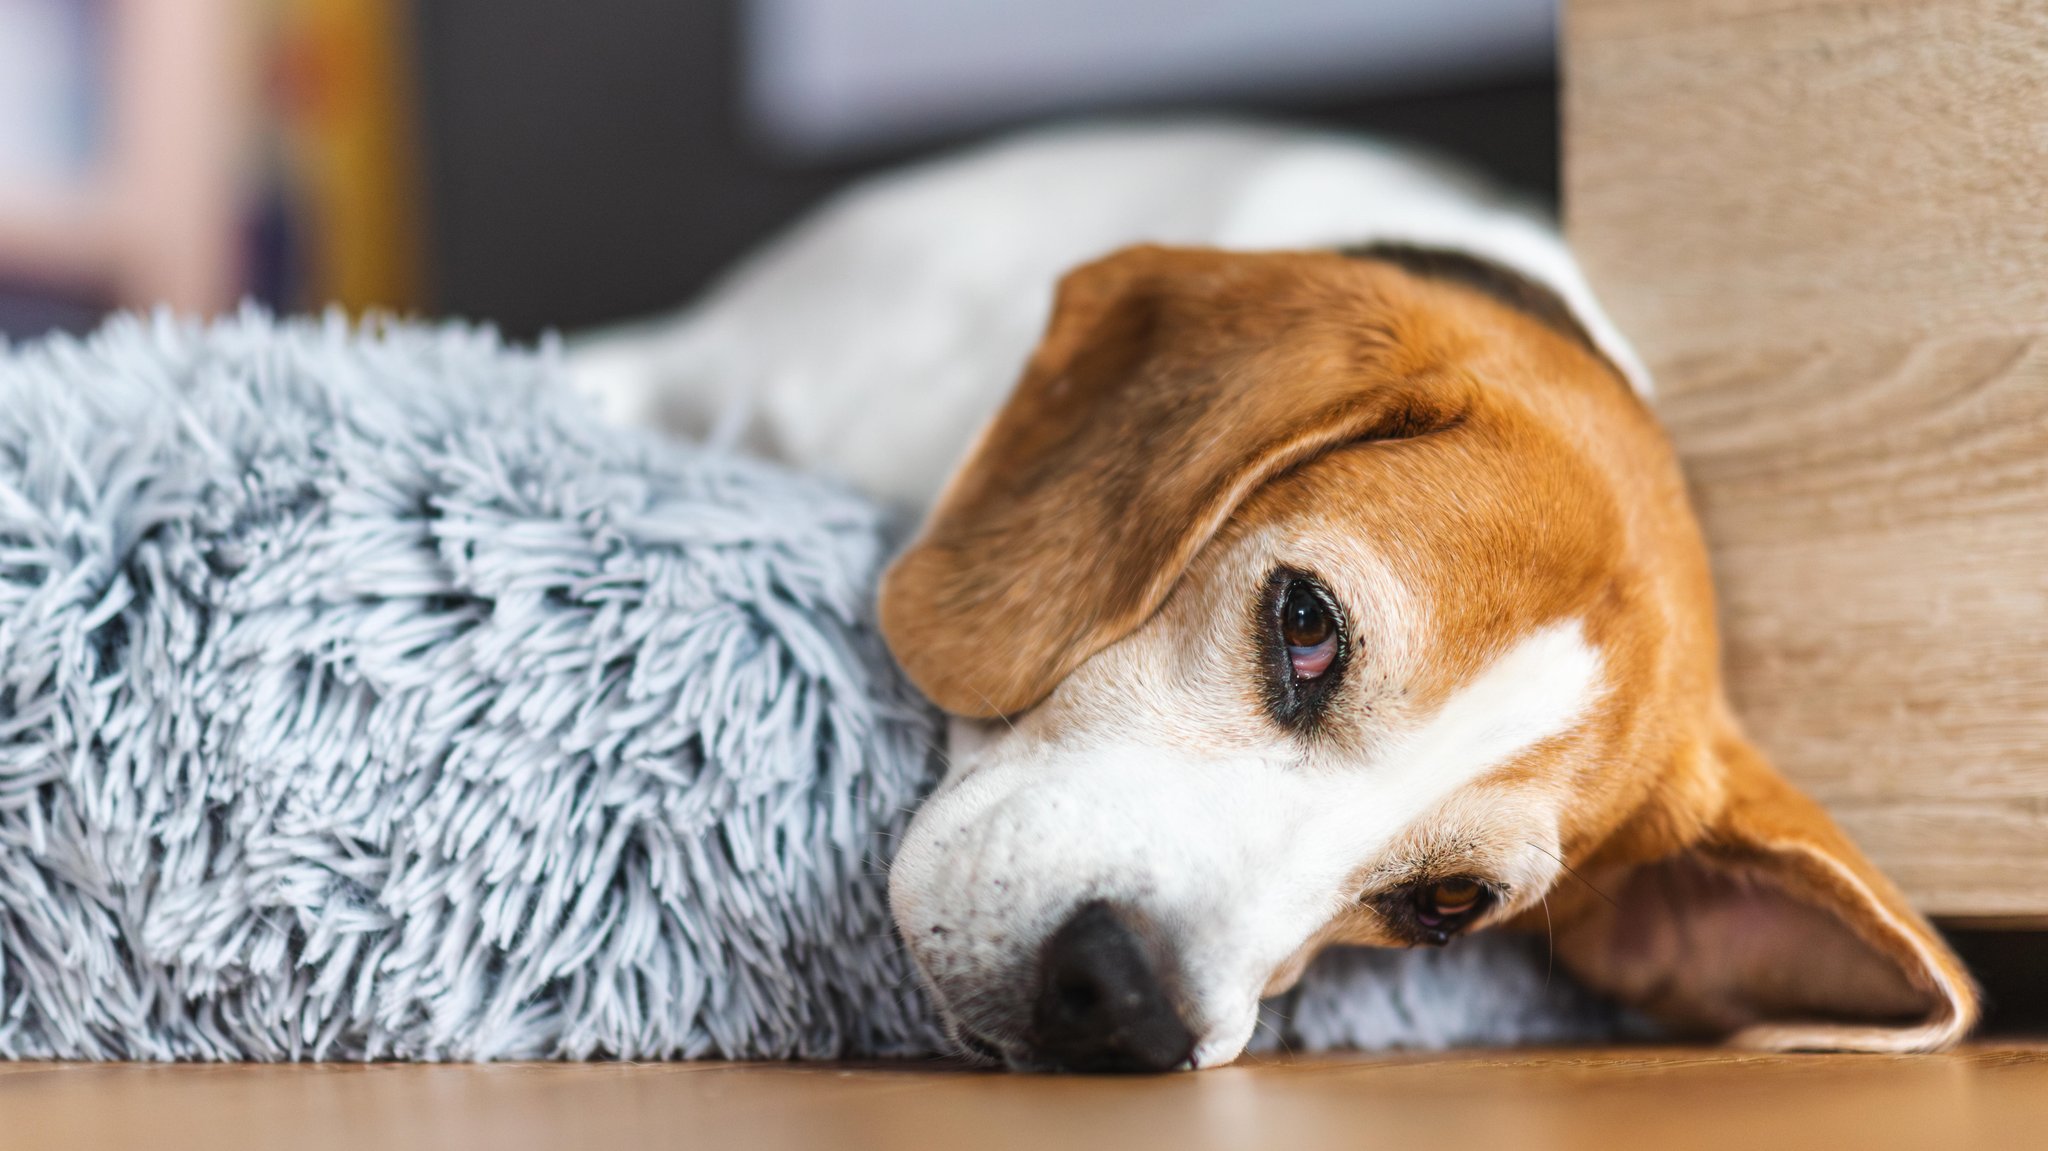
(1170, 383)
(1772, 929)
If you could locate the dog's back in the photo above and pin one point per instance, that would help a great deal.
(872, 340)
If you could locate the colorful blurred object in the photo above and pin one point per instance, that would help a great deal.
(347, 174)
(551, 164)
(191, 153)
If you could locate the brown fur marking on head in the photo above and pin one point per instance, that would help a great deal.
(1185, 402)
(1169, 386)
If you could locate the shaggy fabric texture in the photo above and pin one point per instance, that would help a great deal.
(361, 696)
(1491, 990)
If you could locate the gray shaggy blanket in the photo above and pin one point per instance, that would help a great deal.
(361, 696)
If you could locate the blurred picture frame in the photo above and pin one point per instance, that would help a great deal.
(147, 208)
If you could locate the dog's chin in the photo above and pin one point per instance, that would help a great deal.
(975, 1050)
(1225, 1041)
(1221, 1046)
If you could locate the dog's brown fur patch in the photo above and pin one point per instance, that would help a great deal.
(1180, 396)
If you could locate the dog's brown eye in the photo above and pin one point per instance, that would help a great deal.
(1444, 907)
(1434, 911)
(1455, 896)
(1301, 642)
(1310, 633)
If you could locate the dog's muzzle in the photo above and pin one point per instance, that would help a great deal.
(1106, 997)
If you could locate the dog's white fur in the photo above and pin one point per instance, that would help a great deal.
(873, 341)
(1243, 855)
(1152, 779)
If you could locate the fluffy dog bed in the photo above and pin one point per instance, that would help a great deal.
(362, 696)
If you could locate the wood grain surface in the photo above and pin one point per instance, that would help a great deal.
(1801, 169)
(1825, 224)
(1583, 1101)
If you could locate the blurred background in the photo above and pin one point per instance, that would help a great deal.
(551, 164)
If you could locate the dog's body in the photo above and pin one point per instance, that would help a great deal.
(875, 339)
(1295, 596)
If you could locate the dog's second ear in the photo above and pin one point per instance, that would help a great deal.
(1769, 927)
(1170, 384)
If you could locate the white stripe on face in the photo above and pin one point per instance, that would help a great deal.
(1240, 857)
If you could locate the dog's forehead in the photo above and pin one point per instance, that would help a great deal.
(1456, 544)
(1434, 598)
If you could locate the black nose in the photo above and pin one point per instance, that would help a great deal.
(1103, 1002)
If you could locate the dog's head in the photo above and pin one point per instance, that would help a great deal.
(1304, 598)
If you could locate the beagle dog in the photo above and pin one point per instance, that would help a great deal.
(1325, 579)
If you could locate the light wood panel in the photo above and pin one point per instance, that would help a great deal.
(1800, 169)
(1826, 226)
(1582, 1101)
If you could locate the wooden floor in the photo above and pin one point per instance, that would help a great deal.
(1648, 1098)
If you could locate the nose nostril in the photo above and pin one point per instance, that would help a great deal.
(1104, 1002)
(1078, 996)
